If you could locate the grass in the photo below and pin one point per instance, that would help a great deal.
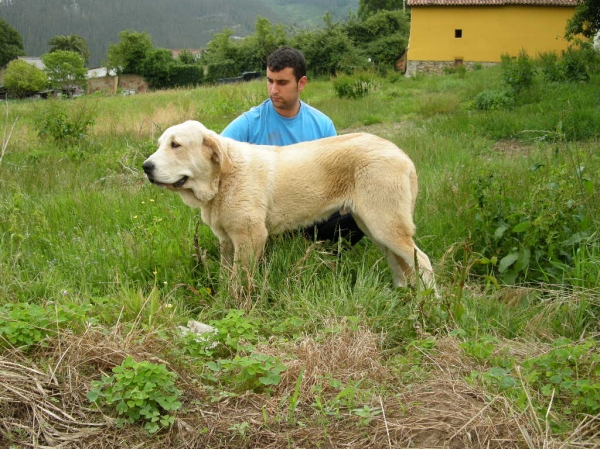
(97, 265)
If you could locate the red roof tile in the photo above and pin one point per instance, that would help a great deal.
(492, 2)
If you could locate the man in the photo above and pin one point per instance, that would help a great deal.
(283, 119)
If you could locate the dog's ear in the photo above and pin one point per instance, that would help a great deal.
(219, 152)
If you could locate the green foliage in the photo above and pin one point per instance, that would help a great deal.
(65, 69)
(566, 377)
(369, 7)
(355, 87)
(66, 128)
(130, 53)
(493, 100)
(185, 75)
(223, 69)
(11, 43)
(256, 372)
(25, 325)
(381, 37)
(525, 239)
(585, 21)
(236, 336)
(569, 373)
(574, 65)
(22, 79)
(71, 42)
(139, 391)
(518, 72)
(236, 333)
(156, 67)
(328, 50)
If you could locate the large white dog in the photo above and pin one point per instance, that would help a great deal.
(246, 192)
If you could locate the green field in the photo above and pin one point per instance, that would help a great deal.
(97, 265)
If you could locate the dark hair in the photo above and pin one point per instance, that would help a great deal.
(285, 57)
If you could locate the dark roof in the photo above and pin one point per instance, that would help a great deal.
(492, 2)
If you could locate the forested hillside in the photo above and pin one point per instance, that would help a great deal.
(179, 24)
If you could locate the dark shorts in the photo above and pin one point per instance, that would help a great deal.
(335, 228)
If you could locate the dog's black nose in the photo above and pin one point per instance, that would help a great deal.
(148, 167)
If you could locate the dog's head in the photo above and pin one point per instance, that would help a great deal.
(190, 160)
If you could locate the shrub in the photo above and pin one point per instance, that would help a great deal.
(139, 391)
(25, 325)
(22, 79)
(65, 128)
(534, 238)
(519, 72)
(550, 68)
(492, 100)
(355, 86)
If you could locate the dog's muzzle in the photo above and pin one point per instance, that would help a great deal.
(149, 170)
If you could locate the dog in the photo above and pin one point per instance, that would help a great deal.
(246, 192)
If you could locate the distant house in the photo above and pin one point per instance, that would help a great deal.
(446, 33)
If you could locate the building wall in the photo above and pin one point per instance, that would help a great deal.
(487, 32)
(104, 84)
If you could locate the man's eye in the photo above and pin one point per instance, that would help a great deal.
(175, 145)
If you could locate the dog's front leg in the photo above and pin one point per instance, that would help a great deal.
(248, 249)
(227, 252)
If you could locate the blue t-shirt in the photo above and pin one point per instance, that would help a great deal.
(263, 125)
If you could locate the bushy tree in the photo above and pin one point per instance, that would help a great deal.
(586, 20)
(22, 79)
(267, 38)
(368, 7)
(129, 54)
(381, 37)
(187, 57)
(70, 43)
(11, 43)
(328, 51)
(156, 66)
(65, 69)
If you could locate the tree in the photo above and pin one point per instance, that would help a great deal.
(368, 7)
(129, 54)
(329, 50)
(382, 36)
(11, 43)
(22, 79)
(156, 66)
(267, 39)
(586, 20)
(70, 43)
(65, 69)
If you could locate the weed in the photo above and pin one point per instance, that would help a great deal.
(355, 87)
(518, 73)
(256, 372)
(139, 391)
(66, 128)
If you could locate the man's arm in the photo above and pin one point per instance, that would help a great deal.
(237, 129)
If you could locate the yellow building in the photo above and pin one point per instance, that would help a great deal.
(446, 33)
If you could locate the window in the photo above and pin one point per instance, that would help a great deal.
(458, 34)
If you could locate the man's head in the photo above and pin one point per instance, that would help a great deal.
(285, 57)
(286, 78)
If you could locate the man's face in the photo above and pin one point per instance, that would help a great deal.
(284, 91)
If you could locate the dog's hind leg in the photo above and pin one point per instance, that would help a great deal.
(393, 235)
(396, 267)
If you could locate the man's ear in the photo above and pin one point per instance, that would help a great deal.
(219, 152)
(302, 83)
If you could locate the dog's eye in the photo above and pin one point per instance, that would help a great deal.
(175, 144)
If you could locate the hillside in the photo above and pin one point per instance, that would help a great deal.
(181, 24)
